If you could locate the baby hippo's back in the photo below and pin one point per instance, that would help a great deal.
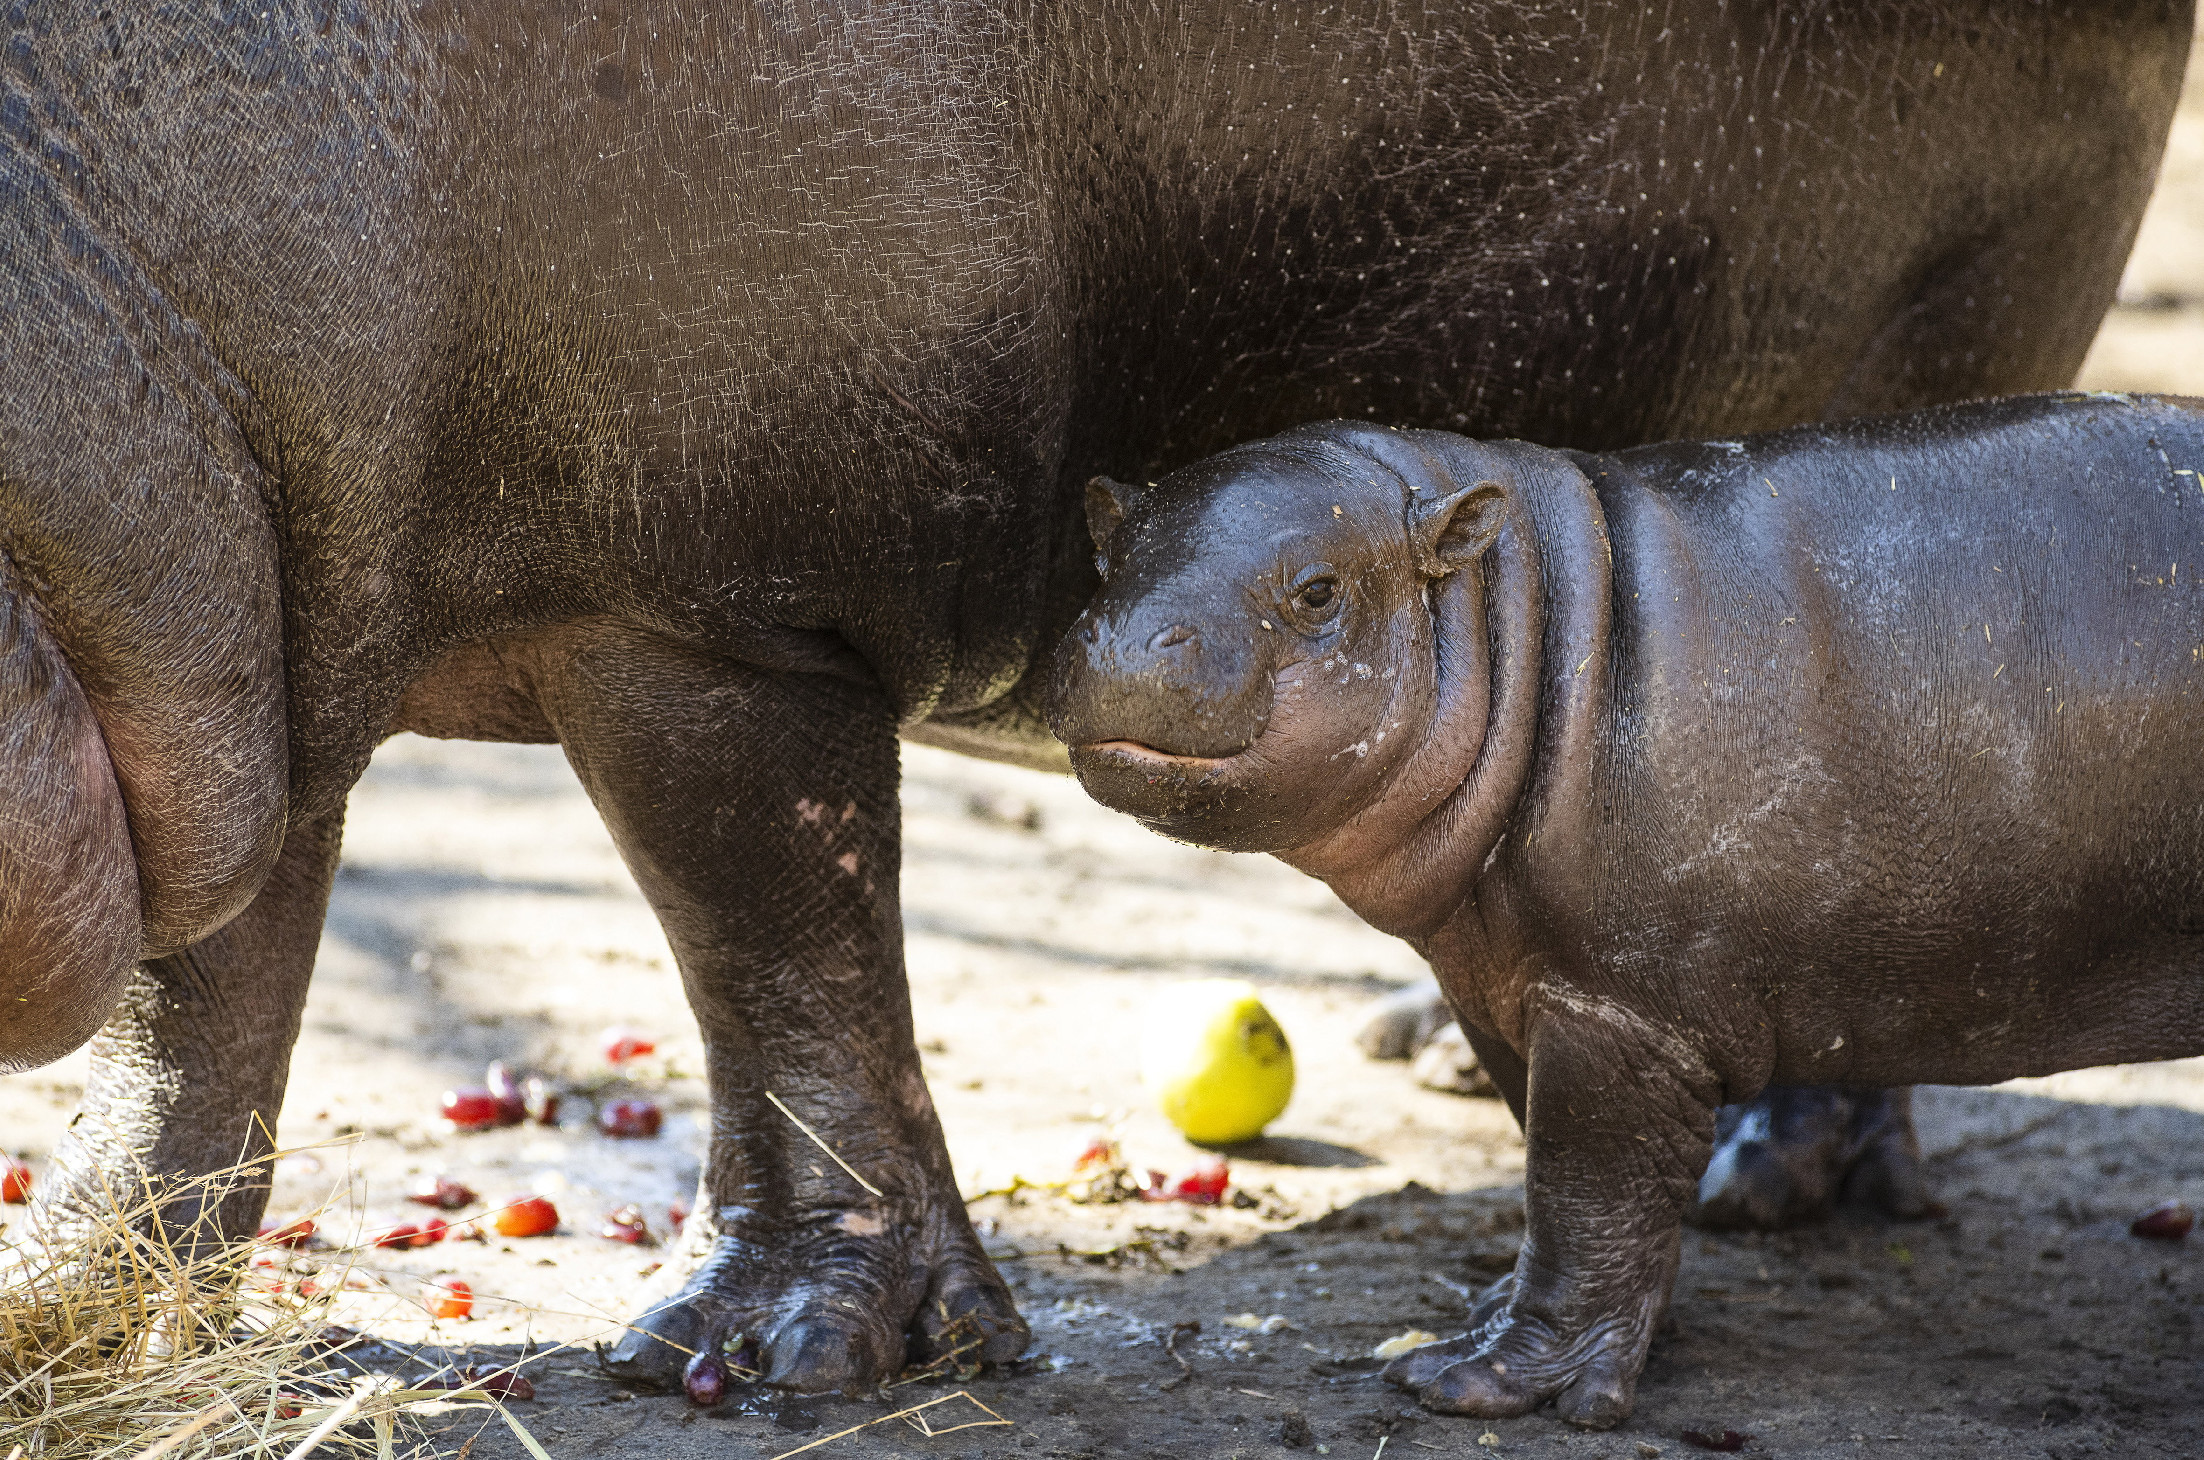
(1907, 734)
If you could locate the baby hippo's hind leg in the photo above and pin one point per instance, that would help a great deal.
(1795, 1152)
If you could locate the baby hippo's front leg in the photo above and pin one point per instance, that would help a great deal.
(1620, 1118)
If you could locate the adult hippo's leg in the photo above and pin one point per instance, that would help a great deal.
(188, 1074)
(758, 813)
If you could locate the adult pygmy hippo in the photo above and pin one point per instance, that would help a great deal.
(1866, 754)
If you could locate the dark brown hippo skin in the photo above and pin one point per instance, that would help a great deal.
(711, 389)
(1860, 755)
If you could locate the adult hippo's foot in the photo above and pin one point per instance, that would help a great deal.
(758, 812)
(1787, 1157)
(834, 1300)
(1794, 1153)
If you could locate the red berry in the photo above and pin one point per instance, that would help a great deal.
(432, 1232)
(441, 1191)
(15, 1181)
(453, 1299)
(629, 1119)
(512, 1106)
(1204, 1185)
(470, 1107)
(705, 1379)
(540, 1099)
(2169, 1221)
(626, 1225)
(528, 1216)
(621, 1045)
(288, 1234)
(403, 1236)
(677, 1215)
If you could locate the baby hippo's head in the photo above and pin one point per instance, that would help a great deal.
(1260, 657)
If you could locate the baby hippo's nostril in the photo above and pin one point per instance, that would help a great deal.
(1172, 637)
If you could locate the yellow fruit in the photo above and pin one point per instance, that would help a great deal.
(1218, 1063)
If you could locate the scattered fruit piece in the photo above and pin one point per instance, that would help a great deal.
(400, 1236)
(626, 1225)
(453, 1299)
(1727, 1442)
(1402, 1343)
(622, 1044)
(512, 1106)
(2169, 1221)
(500, 1384)
(496, 1383)
(15, 1181)
(629, 1119)
(1219, 1065)
(441, 1191)
(705, 1379)
(528, 1216)
(287, 1234)
(1100, 1154)
(677, 1215)
(1205, 1184)
(540, 1098)
(433, 1231)
(471, 1107)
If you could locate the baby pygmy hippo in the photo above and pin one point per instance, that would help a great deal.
(1866, 754)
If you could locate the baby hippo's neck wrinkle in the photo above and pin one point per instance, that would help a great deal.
(1535, 610)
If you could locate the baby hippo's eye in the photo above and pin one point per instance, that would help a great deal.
(1314, 594)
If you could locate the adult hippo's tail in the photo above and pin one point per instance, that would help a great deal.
(142, 725)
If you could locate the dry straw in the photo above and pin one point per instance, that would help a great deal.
(134, 1334)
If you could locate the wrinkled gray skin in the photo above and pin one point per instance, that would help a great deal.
(1858, 755)
(711, 389)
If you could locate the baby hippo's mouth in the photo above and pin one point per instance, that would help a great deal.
(1140, 753)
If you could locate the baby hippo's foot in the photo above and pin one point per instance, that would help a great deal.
(839, 1300)
(1792, 1154)
(1514, 1359)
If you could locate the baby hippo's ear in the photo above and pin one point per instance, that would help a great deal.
(1450, 529)
(1107, 504)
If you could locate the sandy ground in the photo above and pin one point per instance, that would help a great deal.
(482, 913)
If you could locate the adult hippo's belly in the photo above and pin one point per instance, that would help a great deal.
(711, 392)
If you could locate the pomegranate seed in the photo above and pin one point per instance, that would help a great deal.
(540, 1099)
(626, 1225)
(530, 1216)
(470, 1107)
(629, 1119)
(288, 1234)
(705, 1379)
(15, 1181)
(441, 1191)
(621, 1045)
(452, 1299)
(512, 1106)
(400, 1237)
(2169, 1221)
(1204, 1185)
